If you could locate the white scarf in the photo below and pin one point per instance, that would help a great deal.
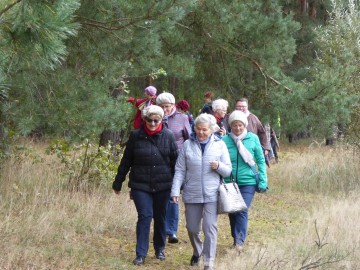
(245, 154)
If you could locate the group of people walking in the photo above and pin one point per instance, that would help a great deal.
(171, 154)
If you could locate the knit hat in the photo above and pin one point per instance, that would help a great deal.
(152, 109)
(150, 90)
(239, 116)
(183, 104)
(165, 98)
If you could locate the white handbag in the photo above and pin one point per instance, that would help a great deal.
(230, 199)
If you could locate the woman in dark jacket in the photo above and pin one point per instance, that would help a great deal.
(219, 107)
(150, 155)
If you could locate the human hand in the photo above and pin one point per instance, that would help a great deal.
(214, 164)
(262, 190)
(175, 199)
(222, 131)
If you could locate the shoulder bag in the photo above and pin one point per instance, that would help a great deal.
(230, 199)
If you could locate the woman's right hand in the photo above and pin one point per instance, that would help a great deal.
(175, 199)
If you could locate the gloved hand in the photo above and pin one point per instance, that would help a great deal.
(262, 190)
(131, 100)
(117, 184)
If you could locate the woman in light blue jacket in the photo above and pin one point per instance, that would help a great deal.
(202, 161)
(247, 160)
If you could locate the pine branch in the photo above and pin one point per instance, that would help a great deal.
(256, 64)
(108, 25)
(9, 7)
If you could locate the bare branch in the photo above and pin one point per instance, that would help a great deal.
(234, 50)
(320, 243)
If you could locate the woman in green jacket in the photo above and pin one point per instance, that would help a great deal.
(248, 164)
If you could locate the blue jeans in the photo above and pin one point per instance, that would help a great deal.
(149, 206)
(239, 220)
(172, 217)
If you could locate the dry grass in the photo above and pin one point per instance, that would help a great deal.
(312, 198)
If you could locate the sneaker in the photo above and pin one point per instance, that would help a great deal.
(160, 255)
(208, 268)
(239, 247)
(173, 239)
(194, 260)
(139, 260)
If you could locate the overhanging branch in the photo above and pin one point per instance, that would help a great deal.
(9, 7)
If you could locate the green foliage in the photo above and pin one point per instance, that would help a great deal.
(336, 72)
(85, 164)
(35, 32)
(67, 66)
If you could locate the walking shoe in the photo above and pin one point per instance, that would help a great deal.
(160, 255)
(139, 260)
(194, 260)
(173, 239)
(239, 247)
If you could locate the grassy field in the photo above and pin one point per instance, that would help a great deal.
(309, 219)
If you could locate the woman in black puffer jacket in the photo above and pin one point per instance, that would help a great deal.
(150, 155)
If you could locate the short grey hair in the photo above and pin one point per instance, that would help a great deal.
(206, 118)
(219, 104)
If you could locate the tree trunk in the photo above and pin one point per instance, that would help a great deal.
(303, 5)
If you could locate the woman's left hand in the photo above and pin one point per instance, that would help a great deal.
(222, 131)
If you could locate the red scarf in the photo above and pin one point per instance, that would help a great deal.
(149, 132)
(218, 119)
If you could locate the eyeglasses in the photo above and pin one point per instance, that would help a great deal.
(168, 106)
(149, 120)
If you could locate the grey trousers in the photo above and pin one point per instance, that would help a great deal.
(207, 213)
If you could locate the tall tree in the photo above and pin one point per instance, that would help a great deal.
(62, 60)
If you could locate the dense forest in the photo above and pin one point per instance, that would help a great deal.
(68, 66)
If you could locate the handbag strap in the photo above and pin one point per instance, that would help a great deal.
(232, 180)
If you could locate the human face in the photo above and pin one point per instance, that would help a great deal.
(241, 106)
(153, 121)
(221, 112)
(202, 131)
(168, 108)
(237, 127)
